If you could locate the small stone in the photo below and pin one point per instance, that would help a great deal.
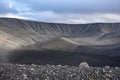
(107, 67)
(32, 69)
(24, 76)
(24, 68)
(59, 65)
(84, 65)
(107, 75)
(107, 79)
(97, 72)
(116, 68)
(33, 65)
(103, 70)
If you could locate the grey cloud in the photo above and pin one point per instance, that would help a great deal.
(73, 6)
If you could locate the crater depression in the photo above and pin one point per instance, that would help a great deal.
(31, 42)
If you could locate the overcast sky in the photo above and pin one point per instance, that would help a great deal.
(62, 11)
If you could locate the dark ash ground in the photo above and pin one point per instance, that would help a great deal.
(58, 72)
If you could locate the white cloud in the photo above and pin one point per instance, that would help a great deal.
(49, 16)
(10, 15)
(77, 18)
(90, 18)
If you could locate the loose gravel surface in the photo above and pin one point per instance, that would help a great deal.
(58, 72)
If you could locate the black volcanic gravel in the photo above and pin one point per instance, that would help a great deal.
(58, 72)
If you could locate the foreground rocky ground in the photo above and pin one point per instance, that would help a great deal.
(52, 72)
